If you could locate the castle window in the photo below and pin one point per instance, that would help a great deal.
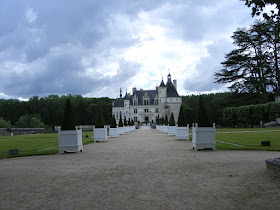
(135, 119)
(146, 99)
(156, 110)
(146, 110)
(135, 102)
(156, 101)
(135, 110)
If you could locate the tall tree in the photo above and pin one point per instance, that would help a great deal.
(258, 6)
(69, 120)
(182, 122)
(203, 117)
(113, 122)
(171, 120)
(248, 68)
(99, 123)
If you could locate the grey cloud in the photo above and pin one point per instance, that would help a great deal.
(92, 27)
(202, 80)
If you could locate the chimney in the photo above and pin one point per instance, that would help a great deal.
(133, 90)
(175, 83)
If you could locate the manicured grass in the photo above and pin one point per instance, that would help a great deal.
(28, 145)
(246, 129)
(247, 138)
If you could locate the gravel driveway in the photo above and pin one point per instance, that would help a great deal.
(144, 169)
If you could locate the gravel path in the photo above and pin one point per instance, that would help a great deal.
(144, 169)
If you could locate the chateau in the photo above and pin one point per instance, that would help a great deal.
(147, 105)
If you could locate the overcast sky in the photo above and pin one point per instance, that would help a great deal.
(94, 48)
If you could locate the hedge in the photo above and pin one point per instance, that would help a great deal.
(251, 115)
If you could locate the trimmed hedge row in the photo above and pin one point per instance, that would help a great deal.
(251, 115)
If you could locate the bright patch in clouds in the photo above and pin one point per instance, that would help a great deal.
(30, 15)
(93, 48)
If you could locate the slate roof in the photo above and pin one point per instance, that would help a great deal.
(119, 103)
(171, 90)
(162, 83)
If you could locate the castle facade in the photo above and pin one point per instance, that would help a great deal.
(147, 105)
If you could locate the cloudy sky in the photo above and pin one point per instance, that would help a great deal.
(95, 47)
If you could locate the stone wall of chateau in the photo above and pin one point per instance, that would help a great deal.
(170, 105)
(175, 108)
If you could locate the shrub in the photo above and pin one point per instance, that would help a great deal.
(203, 117)
(172, 121)
(99, 120)
(250, 115)
(113, 122)
(182, 122)
(68, 122)
(4, 123)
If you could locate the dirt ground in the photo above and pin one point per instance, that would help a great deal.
(144, 169)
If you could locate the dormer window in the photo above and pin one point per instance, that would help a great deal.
(135, 100)
(156, 100)
(146, 99)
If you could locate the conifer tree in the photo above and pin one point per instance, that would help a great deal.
(124, 121)
(99, 120)
(203, 117)
(120, 122)
(182, 122)
(128, 123)
(113, 122)
(69, 121)
(166, 120)
(172, 120)
(131, 122)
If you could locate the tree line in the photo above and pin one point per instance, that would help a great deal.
(49, 110)
(217, 102)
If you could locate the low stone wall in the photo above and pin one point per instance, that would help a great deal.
(22, 131)
(273, 164)
(80, 127)
(3, 131)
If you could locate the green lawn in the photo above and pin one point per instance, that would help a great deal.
(43, 144)
(247, 138)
